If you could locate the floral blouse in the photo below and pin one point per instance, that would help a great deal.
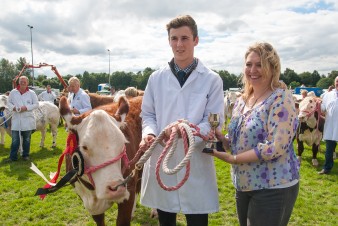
(269, 129)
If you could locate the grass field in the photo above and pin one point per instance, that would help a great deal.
(317, 203)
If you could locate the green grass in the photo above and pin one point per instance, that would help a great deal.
(317, 203)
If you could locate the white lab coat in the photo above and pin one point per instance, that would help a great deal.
(23, 121)
(330, 107)
(165, 102)
(81, 101)
(45, 96)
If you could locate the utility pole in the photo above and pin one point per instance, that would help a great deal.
(30, 28)
(109, 67)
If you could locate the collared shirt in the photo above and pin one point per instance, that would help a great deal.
(330, 107)
(177, 71)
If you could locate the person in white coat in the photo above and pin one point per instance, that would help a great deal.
(47, 95)
(79, 100)
(22, 101)
(168, 98)
(329, 105)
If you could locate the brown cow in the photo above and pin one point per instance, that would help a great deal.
(310, 129)
(103, 133)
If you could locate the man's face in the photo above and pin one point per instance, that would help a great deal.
(48, 88)
(23, 82)
(73, 87)
(182, 44)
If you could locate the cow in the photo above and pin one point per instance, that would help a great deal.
(229, 102)
(46, 113)
(104, 133)
(311, 125)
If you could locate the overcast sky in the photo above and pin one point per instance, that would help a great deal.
(74, 35)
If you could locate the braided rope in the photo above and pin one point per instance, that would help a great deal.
(187, 134)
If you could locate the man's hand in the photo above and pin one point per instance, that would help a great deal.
(147, 141)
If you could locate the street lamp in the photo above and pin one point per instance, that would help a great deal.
(30, 28)
(109, 67)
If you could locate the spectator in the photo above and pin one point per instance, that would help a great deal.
(79, 100)
(265, 169)
(131, 92)
(303, 92)
(329, 106)
(22, 101)
(183, 89)
(47, 95)
(112, 91)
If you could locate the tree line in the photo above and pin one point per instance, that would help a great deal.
(122, 79)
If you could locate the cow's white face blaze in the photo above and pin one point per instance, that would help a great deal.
(306, 106)
(101, 140)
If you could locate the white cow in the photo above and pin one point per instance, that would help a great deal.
(229, 102)
(105, 135)
(47, 113)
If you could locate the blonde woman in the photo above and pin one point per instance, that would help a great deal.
(265, 170)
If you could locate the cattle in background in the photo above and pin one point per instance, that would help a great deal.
(104, 133)
(229, 102)
(3, 119)
(46, 114)
(311, 125)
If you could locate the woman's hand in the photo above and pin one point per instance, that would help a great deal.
(225, 140)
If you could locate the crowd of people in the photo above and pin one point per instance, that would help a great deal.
(258, 144)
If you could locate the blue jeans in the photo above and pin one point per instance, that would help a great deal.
(26, 142)
(266, 207)
(330, 148)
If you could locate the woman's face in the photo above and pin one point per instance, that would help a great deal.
(253, 71)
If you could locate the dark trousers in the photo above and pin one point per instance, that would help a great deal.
(266, 207)
(26, 141)
(169, 219)
(330, 148)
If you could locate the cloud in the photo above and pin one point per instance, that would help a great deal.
(75, 35)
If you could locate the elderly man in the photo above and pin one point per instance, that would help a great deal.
(78, 99)
(47, 95)
(22, 101)
(329, 105)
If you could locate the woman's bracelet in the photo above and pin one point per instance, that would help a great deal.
(235, 159)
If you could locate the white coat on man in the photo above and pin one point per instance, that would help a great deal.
(165, 102)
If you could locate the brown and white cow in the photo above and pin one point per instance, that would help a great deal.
(310, 129)
(103, 134)
(46, 114)
(229, 102)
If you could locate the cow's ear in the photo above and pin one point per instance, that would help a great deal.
(123, 109)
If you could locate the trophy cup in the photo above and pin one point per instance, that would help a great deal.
(212, 144)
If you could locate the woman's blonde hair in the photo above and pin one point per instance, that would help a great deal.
(270, 64)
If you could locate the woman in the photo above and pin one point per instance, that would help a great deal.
(265, 170)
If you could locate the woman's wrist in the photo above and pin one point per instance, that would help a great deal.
(235, 159)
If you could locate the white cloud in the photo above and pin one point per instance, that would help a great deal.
(75, 35)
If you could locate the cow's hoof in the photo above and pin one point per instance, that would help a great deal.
(299, 159)
(315, 162)
(153, 213)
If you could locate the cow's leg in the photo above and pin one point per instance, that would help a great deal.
(43, 136)
(300, 146)
(125, 210)
(54, 130)
(315, 149)
(2, 134)
(99, 219)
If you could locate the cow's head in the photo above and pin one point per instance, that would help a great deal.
(3, 102)
(100, 140)
(307, 110)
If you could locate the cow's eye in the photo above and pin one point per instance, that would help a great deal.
(85, 147)
(310, 101)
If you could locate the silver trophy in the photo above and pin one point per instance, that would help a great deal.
(214, 123)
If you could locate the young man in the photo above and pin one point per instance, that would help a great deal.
(184, 89)
(22, 101)
(47, 95)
